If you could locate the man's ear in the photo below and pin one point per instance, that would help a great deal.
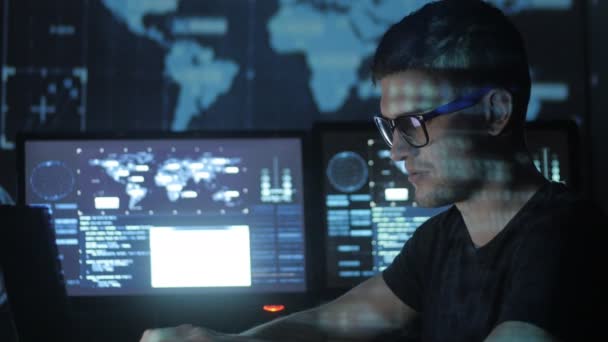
(498, 110)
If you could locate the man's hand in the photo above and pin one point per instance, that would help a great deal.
(189, 333)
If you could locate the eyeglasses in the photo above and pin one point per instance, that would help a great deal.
(412, 127)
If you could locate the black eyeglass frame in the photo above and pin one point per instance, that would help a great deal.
(453, 106)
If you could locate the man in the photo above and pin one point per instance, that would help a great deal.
(505, 262)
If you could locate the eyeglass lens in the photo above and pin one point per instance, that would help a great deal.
(410, 128)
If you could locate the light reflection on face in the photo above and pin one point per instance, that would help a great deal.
(448, 169)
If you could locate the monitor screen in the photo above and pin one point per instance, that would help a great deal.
(173, 215)
(553, 147)
(369, 206)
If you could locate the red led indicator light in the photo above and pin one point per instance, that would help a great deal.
(274, 308)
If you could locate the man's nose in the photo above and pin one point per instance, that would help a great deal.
(401, 149)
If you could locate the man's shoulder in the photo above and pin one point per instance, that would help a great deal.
(563, 206)
(562, 220)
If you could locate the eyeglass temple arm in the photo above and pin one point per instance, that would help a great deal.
(464, 102)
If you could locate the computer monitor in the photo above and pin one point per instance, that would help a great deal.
(554, 146)
(218, 213)
(369, 207)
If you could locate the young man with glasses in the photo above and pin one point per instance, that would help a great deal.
(513, 258)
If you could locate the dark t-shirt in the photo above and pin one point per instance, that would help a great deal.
(543, 268)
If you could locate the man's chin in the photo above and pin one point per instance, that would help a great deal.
(424, 203)
(438, 197)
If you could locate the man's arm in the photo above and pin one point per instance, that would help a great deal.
(366, 311)
(519, 331)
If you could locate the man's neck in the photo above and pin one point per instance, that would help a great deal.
(489, 210)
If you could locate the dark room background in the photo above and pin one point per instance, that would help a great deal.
(249, 65)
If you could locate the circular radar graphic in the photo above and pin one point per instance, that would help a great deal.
(347, 171)
(52, 180)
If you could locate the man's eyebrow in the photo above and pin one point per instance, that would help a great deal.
(420, 111)
(417, 111)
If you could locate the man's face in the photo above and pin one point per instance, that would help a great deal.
(446, 170)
